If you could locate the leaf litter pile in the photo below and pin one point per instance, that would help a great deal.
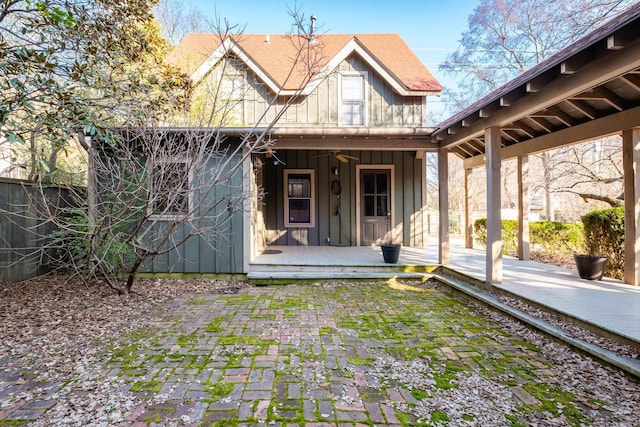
(54, 330)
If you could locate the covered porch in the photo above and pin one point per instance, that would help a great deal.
(589, 90)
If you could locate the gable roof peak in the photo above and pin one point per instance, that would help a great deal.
(385, 52)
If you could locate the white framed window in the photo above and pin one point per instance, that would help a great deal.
(171, 188)
(352, 99)
(232, 86)
(232, 90)
(299, 198)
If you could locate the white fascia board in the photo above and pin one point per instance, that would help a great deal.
(230, 46)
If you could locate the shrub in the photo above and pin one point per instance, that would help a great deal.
(546, 236)
(604, 236)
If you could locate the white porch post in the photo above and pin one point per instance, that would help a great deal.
(523, 208)
(468, 232)
(443, 203)
(494, 226)
(631, 164)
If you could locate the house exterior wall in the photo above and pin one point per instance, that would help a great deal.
(409, 225)
(384, 107)
(218, 252)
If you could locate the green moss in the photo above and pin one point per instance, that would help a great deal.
(243, 340)
(555, 401)
(468, 417)
(525, 344)
(14, 423)
(154, 418)
(197, 302)
(326, 331)
(514, 420)
(225, 422)
(439, 416)
(362, 361)
(448, 372)
(152, 386)
(217, 390)
(419, 394)
(187, 340)
(214, 325)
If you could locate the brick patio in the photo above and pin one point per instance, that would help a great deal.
(320, 355)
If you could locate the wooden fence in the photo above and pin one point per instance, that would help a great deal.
(22, 232)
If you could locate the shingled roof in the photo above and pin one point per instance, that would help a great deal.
(272, 56)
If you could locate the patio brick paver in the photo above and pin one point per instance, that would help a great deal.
(302, 355)
(322, 355)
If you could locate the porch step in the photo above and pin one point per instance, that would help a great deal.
(285, 277)
(332, 270)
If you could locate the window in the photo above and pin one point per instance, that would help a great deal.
(232, 88)
(299, 198)
(170, 194)
(352, 100)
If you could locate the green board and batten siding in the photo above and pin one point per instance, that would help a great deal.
(341, 229)
(384, 107)
(219, 253)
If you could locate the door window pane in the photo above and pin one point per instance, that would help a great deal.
(369, 205)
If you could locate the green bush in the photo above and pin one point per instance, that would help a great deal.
(604, 236)
(545, 236)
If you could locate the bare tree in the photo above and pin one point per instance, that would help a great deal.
(177, 19)
(153, 186)
(505, 38)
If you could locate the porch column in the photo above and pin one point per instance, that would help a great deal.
(468, 231)
(631, 164)
(523, 208)
(443, 206)
(494, 226)
(248, 242)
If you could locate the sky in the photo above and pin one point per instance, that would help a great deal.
(431, 28)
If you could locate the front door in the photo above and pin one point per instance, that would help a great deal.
(375, 206)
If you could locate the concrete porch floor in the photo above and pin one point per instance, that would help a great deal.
(608, 304)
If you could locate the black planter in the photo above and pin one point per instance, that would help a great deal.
(390, 253)
(590, 267)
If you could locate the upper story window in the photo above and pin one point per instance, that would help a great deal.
(233, 86)
(232, 90)
(352, 95)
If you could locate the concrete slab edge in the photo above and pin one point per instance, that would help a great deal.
(628, 365)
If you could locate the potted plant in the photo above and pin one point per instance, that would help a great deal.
(590, 266)
(390, 252)
(603, 234)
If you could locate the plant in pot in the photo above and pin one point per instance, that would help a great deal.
(603, 242)
(390, 252)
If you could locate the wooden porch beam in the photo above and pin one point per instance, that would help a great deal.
(632, 80)
(602, 93)
(631, 165)
(443, 202)
(561, 115)
(595, 72)
(603, 126)
(377, 144)
(468, 230)
(543, 123)
(494, 225)
(584, 108)
(523, 209)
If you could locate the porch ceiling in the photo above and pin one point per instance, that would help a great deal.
(588, 90)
